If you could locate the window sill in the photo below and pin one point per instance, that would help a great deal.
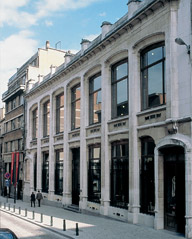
(147, 111)
(117, 119)
(93, 126)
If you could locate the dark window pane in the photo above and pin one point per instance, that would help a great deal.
(45, 173)
(155, 86)
(97, 83)
(119, 90)
(94, 174)
(122, 91)
(153, 75)
(147, 176)
(121, 71)
(154, 55)
(120, 175)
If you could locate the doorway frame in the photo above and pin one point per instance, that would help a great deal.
(173, 140)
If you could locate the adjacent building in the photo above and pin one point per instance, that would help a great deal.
(14, 122)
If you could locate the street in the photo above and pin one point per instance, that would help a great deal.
(24, 229)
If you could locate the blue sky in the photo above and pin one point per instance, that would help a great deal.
(25, 25)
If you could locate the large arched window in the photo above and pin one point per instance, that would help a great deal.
(34, 123)
(153, 91)
(75, 106)
(119, 89)
(46, 118)
(60, 113)
(95, 99)
(147, 186)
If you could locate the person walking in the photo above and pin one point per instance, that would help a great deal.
(32, 199)
(39, 197)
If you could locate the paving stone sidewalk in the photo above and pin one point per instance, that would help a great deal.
(90, 226)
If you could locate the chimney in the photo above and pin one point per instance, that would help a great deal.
(47, 45)
(52, 69)
(40, 78)
(30, 84)
(68, 56)
(84, 45)
(106, 26)
(133, 5)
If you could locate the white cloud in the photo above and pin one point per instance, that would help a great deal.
(48, 23)
(15, 51)
(11, 14)
(102, 14)
(46, 7)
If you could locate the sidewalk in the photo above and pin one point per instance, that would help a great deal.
(90, 226)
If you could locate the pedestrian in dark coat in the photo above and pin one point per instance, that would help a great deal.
(32, 199)
(39, 197)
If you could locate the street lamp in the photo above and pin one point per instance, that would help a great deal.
(179, 41)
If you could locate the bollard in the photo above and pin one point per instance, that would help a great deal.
(25, 212)
(19, 210)
(4, 205)
(64, 225)
(41, 218)
(9, 207)
(51, 220)
(13, 208)
(77, 230)
(33, 215)
(0, 204)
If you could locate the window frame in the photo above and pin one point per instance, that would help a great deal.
(59, 163)
(46, 118)
(114, 82)
(147, 178)
(94, 165)
(34, 123)
(91, 99)
(45, 172)
(148, 66)
(58, 108)
(74, 100)
(120, 173)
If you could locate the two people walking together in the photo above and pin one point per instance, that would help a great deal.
(39, 196)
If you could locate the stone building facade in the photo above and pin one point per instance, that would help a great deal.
(26, 76)
(110, 130)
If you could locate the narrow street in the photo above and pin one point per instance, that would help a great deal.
(24, 229)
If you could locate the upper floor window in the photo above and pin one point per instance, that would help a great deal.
(59, 113)
(46, 118)
(13, 104)
(119, 94)
(153, 92)
(75, 106)
(34, 123)
(95, 99)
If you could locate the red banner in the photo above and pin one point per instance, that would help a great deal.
(12, 165)
(17, 167)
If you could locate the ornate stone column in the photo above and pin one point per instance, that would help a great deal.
(67, 165)
(83, 146)
(105, 147)
(51, 150)
(39, 155)
(134, 86)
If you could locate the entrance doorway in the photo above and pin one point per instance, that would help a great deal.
(174, 189)
(75, 176)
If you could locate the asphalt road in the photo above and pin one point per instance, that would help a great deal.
(24, 229)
